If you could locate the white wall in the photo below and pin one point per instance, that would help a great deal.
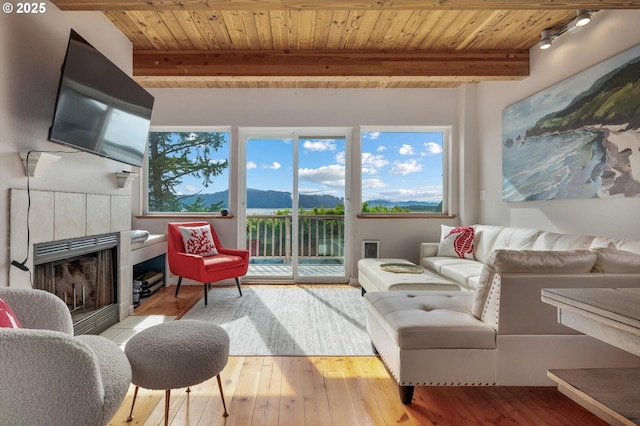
(32, 49)
(610, 33)
(317, 108)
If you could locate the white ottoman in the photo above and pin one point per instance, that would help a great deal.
(177, 354)
(372, 278)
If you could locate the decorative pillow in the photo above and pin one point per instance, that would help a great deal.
(7, 317)
(612, 260)
(198, 240)
(456, 242)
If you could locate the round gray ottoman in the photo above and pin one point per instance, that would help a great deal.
(177, 354)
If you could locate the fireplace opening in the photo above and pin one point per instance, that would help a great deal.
(83, 273)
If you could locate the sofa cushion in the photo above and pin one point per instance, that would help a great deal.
(529, 261)
(462, 273)
(489, 238)
(456, 242)
(425, 320)
(611, 260)
(555, 241)
(437, 263)
(620, 244)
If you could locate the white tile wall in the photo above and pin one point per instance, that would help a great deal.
(99, 223)
(69, 215)
(62, 215)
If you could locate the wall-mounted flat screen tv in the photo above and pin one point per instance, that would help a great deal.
(99, 108)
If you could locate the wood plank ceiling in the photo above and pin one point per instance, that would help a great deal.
(333, 44)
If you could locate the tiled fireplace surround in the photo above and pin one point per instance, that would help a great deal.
(63, 215)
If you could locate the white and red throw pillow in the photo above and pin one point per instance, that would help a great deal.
(7, 317)
(198, 240)
(456, 242)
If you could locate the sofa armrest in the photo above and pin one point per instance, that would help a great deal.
(235, 252)
(521, 310)
(428, 250)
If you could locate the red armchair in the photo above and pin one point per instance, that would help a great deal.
(228, 263)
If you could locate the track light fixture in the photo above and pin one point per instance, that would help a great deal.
(545, 40)
(583, 18)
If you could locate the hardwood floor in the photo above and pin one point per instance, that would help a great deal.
(334, 391)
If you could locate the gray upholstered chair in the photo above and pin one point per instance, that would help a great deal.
(51, 377)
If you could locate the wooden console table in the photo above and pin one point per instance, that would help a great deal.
(613, 316)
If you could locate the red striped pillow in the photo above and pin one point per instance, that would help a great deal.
(7, 317)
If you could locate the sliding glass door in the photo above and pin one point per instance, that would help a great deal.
(294, 192)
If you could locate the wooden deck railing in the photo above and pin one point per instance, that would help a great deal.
(319, 236)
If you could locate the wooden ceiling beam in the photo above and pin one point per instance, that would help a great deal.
(156, 5)
(478, 64)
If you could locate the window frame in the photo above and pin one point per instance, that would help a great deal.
(177, 129)
(447, 132)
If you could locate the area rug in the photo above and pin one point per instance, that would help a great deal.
(295, 321)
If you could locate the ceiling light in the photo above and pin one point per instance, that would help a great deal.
(545, 40)
(583, 18)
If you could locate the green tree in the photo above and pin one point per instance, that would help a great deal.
(174, 155)
(366, 208)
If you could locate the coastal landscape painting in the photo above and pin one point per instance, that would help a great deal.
(577, 139)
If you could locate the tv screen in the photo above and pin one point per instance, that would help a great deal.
(99, 108)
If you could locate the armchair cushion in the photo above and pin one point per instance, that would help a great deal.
(222, 261)
(198, 240)
(7, 317)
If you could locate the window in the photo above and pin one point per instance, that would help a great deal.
(403, 170)
(188, 171)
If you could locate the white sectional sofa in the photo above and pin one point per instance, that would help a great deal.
(499, 332)
(466, 272)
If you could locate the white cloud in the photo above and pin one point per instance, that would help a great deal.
(190, 189)
(381, 148)
(331, 175)
(217, 161)
(341, 157)
(371, 163)
(371, 135)
(373, 183)
(251, 165)
(320, 145)
(274, 166)
(405, 150)
(430, 193)
(433, 148)
(315, 191)
(405, 168)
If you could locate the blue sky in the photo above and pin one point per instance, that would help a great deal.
(396, 166)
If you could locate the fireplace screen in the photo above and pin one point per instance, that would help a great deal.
(83, 276)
